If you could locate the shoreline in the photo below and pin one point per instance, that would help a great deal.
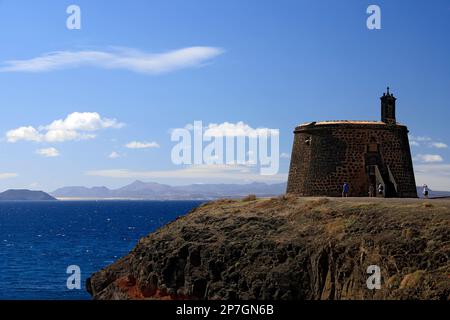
(124, 199)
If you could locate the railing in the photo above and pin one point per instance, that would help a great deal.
(380, 179)
(392, 179)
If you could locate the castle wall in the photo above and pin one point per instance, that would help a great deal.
(337, 153)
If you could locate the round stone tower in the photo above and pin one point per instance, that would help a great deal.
(327, 154)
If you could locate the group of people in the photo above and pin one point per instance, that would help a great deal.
(380, 190)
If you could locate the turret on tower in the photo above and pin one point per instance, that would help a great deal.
(388, 108)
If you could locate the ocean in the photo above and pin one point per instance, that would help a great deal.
(39, 240)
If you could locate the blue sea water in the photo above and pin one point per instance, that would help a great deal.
(39, 240)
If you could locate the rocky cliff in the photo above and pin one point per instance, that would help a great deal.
(289, 248)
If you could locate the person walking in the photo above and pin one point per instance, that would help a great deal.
(425, 191)
(381, 190)
(345, 190)
(371, 191)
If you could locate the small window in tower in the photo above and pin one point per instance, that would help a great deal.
(373, 147)
(308, 141)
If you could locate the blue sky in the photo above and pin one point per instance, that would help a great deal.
(267, 64)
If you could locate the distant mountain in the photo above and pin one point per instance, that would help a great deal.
(432, 193)
(82, 192)
(139, 189)
(25, 195)
(157, 191)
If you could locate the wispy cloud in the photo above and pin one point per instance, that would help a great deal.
(8, 175)
(200, 173)
(114, 155)
(425, 141)
(48, 152)
(428, 158)
(439, 145)
(141, 145)
(124, 58)
(76, 126)
(419, 138)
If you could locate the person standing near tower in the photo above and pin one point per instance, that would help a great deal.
(381, 190)
(371, 191)
(345, 190)
(425, 191)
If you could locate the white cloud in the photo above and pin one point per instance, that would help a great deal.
(439, 145)
(8, 175)
(228, 129)
(76, 126)
(24, 133)
(414, 143)
(239, 129)
(428, 158)
(141, 145)
(84, 121)
(198, 173)
(122, 58)
(48, 152)
(114, 155)
(285, 155)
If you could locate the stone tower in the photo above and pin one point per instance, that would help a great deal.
(388, 108)
(362, 153)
